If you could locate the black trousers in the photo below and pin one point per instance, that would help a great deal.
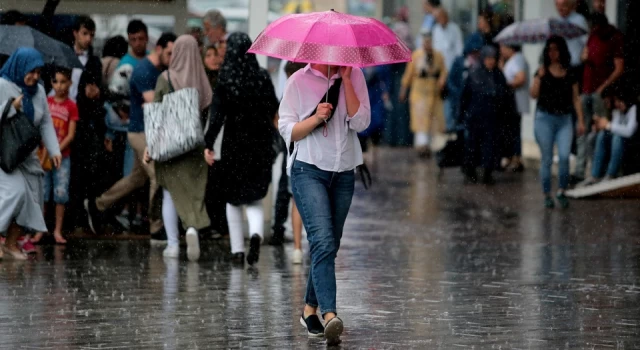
(283, 197)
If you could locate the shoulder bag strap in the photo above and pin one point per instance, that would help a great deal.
(171, 90)
(7, 108)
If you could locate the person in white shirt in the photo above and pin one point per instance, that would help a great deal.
(567, 10)
(447, 37)
(516, 71)
(613, 137)
(325, 154)
(447, 40)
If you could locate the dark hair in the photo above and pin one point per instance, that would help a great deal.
(211, 47)
(62, 70)
(599, 19)
(621, 91)
(86, 22)
(292, 67)
(12, 17)
(115, 47)
(561, 44)
(165, 39)
(137, 26)
(434, 3)
(516, 48)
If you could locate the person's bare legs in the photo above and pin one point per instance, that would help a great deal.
(296, 222)
(38, 237)
(57, 234)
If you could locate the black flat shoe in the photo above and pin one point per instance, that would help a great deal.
(254, 249)
(237, 258)
(333, 330)
(313, 325)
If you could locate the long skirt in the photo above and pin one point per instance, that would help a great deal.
(22, 197)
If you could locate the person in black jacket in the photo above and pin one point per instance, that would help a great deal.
(244, 100)
(486, 99)
(88, 144)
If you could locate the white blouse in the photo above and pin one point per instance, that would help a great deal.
(340, 150)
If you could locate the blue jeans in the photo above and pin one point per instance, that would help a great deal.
(607, 144)
(323, 199)
(592, 105)
(58, 181)
(553, 129)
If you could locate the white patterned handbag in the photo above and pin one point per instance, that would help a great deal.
(173, 127)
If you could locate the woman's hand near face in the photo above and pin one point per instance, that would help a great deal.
(345, 73)
(208, 156)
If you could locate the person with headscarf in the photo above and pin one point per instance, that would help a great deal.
(464, 63)
(486, 98)
(426, 76)
(184, 179)
(245, 101)
(22, 191)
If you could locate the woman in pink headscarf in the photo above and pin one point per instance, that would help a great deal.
(184, 179)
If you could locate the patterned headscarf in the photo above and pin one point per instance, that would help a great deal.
(23, 61)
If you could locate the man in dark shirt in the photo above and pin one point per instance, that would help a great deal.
(142, 85)
(603, 65)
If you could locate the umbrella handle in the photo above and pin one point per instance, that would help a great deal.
(326, 96)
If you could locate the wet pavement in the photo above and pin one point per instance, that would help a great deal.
(426, 263)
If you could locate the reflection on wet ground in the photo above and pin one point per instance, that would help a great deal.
(426, 263)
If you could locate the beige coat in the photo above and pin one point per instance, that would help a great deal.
(427, 107)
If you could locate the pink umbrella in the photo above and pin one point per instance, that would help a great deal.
(331, 38)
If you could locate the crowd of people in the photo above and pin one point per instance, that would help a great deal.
(94, 162)
(95, 154)
(481, 90)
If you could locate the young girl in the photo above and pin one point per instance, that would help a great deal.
(325, 153)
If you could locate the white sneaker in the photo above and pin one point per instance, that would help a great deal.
(193, 244)
(171, 251)
(297, 257)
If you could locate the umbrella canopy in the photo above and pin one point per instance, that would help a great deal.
(53, 51)
(538, 30)
(331, 38)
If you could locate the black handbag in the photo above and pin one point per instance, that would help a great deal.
(18, 138)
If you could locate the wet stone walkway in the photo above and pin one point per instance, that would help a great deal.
(426, 263)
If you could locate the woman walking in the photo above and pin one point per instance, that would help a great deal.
(245, 102)
(556, 88)
(426, 76)
(325, 153)
(486, 102)
(184, 179)
(22, 191)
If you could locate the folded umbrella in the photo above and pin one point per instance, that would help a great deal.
(331, 38)
(538, 30)
(53, 51)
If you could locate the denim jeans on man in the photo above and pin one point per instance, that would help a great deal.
(611, 146)
(323, 199)
(592, 105)
(550, 130)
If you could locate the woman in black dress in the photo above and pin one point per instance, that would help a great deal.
(245, 102)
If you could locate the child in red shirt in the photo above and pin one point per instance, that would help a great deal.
(64, 114)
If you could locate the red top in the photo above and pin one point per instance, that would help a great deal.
(603, 48)
(62, 113)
